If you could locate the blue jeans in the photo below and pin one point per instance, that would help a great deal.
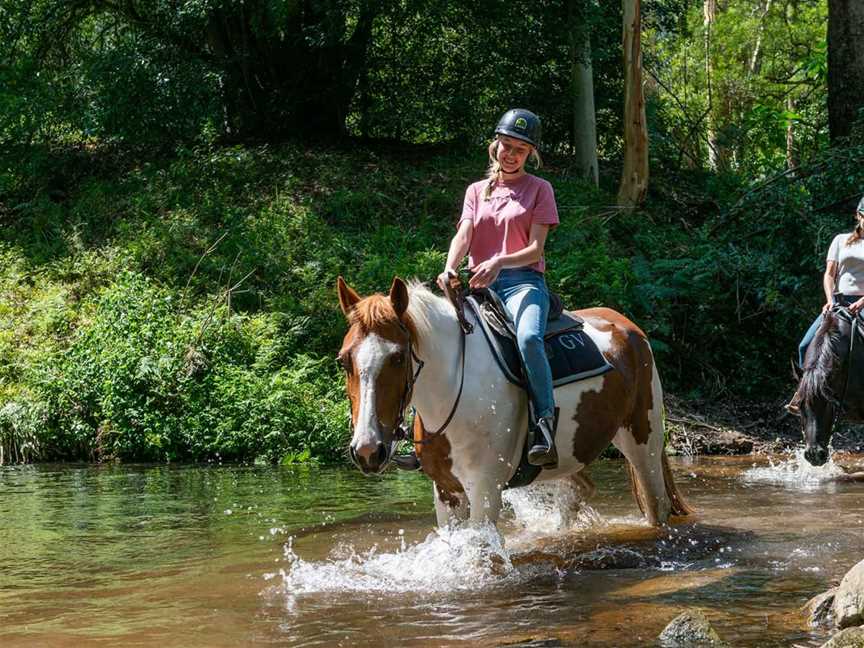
(526, 296)
(807, 339)
(843, 300)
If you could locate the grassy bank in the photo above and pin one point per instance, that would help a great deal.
(182, 307)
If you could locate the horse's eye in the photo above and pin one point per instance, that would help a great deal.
(397, 360)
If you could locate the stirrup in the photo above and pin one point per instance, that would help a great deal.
(408, 461)
(543, 452)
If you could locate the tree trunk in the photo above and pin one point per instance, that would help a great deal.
(791, 152)
(584, 118)
(756, 59)
(709, 13)
(634, 178)
(845, 65)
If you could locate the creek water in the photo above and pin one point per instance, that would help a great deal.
(301, 556)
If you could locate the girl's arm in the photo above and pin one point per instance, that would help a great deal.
(459, 247)
(829, 282)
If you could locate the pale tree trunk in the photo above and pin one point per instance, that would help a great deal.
(845, 65)
(756, 60)
(634, 178)
(791, 152)
(709, 12)
(584, 119)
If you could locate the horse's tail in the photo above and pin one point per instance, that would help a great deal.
(679, 505)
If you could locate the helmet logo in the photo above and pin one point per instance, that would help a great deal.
(521, 123)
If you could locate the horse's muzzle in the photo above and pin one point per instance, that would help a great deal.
(816, 455)
(372, 464)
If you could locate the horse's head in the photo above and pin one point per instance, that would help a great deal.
(822, 385)
(376, 356)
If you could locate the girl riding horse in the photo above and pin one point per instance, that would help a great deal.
(408, 348)
(503, 228)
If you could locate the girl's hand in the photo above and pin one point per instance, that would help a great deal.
(444, 279)
(485, 273)
(827, 307)
(857, 306)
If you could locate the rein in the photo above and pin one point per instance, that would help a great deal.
(402, 433)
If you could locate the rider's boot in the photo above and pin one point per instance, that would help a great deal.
(408, 461)
(794, 405)
(542, 451)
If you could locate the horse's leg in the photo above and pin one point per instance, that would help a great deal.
(577, 489)
(646, 471)
(450, 508)
(582, 485)
(485, 499)
(642, 444)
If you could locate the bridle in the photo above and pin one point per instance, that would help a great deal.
(401, 430)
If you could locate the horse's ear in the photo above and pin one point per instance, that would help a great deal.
(348, 298)
(399, 296)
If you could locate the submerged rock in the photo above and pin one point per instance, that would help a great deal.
(849, 600)
(690, 629)
(848, 638)
(819, 608)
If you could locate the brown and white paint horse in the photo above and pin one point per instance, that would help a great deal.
(478, 452)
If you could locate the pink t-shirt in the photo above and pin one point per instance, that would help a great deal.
(502, 223)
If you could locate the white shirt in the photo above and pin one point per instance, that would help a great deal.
(850, 260)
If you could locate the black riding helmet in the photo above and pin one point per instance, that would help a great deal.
(521, 124)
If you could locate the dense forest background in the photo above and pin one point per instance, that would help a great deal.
(181, 182)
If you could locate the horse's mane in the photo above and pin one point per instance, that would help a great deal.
(424, 310)
(823, 358)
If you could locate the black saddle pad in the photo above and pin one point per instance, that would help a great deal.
(572, 353)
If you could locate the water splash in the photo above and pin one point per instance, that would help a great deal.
(549, 508)
(448, 560)
(795, 472)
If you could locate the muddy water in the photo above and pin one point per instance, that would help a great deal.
(233, 556)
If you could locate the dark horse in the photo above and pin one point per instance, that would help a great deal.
(832, 381)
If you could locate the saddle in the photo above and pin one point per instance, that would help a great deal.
(572, 354)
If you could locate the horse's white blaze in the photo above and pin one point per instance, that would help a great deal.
(369, 360)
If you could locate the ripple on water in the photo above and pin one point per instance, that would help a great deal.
(794, 472)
